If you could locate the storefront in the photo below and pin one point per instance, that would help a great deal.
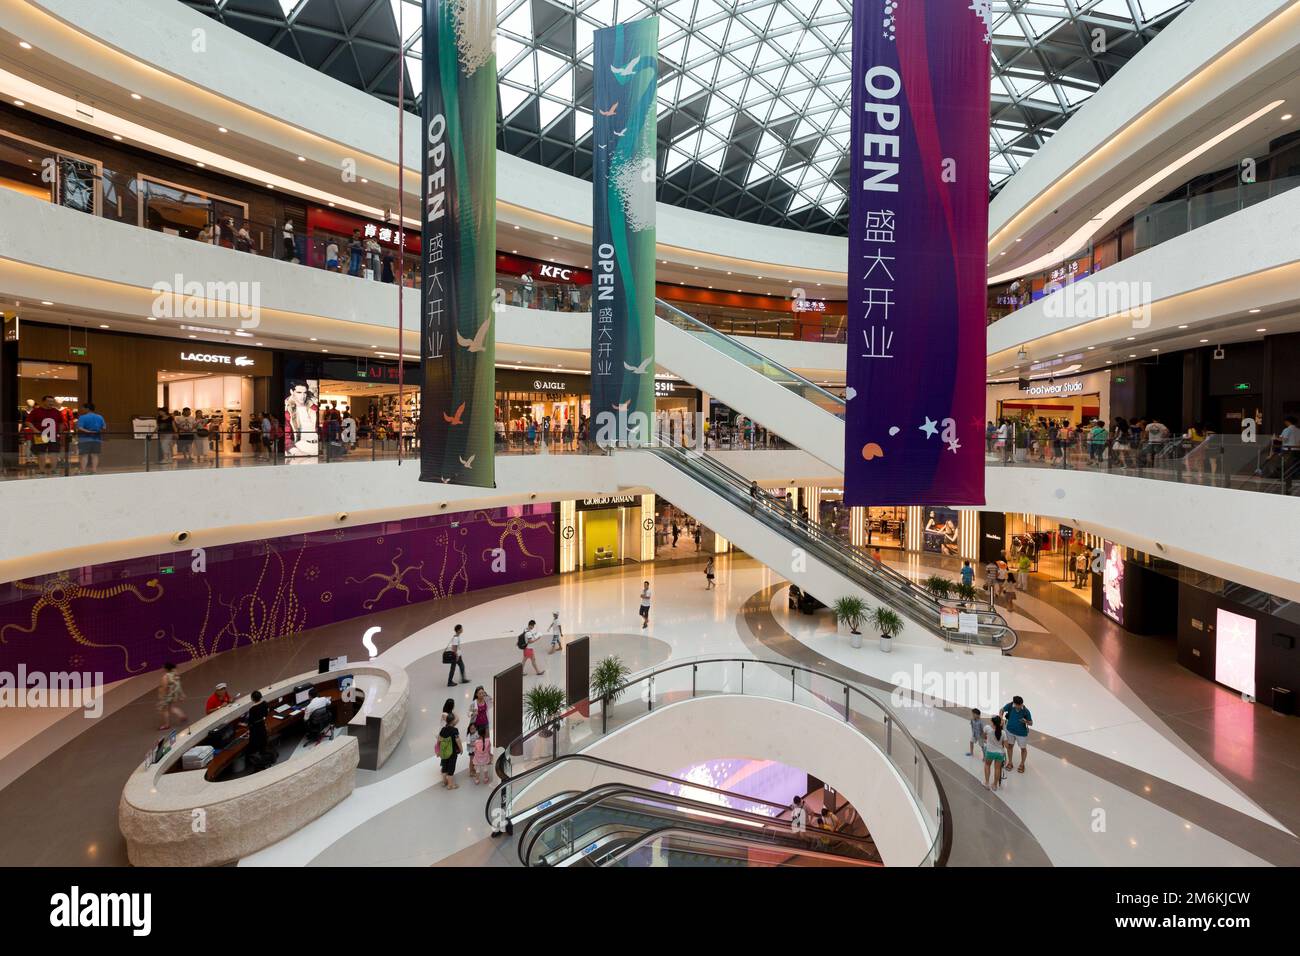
(1071, 397)
(326, 227)
(549, 401)
(368, 390)
(131, 376)
(607, 531)
(676, 407)
(534, 284)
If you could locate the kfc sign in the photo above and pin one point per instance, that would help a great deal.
(556, 272)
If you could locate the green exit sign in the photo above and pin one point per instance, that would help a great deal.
(1242, 386)
(166, 570)
(1120, 380)
(78, 350)
(361, 373)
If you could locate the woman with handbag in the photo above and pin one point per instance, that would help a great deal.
(451, 657)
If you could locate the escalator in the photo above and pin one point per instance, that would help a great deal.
(785, 542)
(800, 411)
(620, 824)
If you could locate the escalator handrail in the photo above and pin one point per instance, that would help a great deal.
(871, 569)
(588, 758)
(795, 377)
(652, 672)
(652, 835)
(603, 793)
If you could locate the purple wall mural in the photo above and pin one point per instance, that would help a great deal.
(127, 617)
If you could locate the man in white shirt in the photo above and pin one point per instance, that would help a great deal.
(457, 661)
(645, 605)
(556, 632)
(1290, 452)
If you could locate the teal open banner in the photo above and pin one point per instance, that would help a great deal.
(626, 64)
(458, 219)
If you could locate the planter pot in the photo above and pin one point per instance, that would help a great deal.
(886, 643)
(855, 639)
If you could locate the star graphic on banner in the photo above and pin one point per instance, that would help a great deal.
(954, 445)
(931, 427)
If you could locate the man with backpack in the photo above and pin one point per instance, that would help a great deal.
(525, 643)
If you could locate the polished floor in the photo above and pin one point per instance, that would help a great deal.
(1133, 760)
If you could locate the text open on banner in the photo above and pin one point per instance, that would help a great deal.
(918, 239)
(626, 65)
(458, 218)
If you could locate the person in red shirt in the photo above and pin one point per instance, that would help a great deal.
(46, 423)
(219, 698)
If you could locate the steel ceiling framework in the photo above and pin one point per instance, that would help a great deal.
(753, 95)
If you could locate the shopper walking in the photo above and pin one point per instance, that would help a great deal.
(645, 605)
(170, 694)
(527, 639)
(1023, 568)
(1018, 722)
(185, 434)
(557, 632)
(480, 756)
(976, 732)
(448, 750)
(967, 574)
(480, 709)
(1081, 568)
(708, 576)
(994, 756)
(451, 656)
(697, 533)
(991, 579)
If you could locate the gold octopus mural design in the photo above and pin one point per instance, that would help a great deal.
(60, 591)
(515, 527)
(443, 586)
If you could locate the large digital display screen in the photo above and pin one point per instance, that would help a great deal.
(1234, 651)
(1112, 582)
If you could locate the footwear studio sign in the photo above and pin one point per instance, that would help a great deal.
(1069, 387)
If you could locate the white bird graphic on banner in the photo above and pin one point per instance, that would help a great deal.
(475, 344)
(640, 369)
(627, 68)
(620, 132)
(468, 463)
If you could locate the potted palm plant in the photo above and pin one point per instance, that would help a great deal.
(939, 586)
(888, 623)
(609, 680)
(542, 705)
(851, 611)
(966, 593)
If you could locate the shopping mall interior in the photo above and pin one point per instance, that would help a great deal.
(777, 626)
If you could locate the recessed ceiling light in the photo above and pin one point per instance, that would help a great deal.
(151, 318)
(1286, 116)
(1017, 240)
(1254, 311)
(302, 159)
(24, 44)
(556, 238)
(364, 180)
(696, 268)
(1204, 340)
(324, 350)
(331, 205)
(1131, 355)
(1002, 253)
(103, 326)
(19, 103)
(1261, 330)
(1131, 337)
(516, 227)
(201, 165)
(1182, 326)
(269, 186)
(1107, 361)
(222, 129)
(46, 302)
(117, 138)
(136, 96)
(1091, 347)
(1155, 350)
(194, 336)
(313, 340)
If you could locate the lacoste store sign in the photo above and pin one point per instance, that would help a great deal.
(212, 358)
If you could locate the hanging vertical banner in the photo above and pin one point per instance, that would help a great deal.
(626, 65)
(457, 329)
(918, 246)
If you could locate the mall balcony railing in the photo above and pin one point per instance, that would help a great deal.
(554, 742)
(1205, 200)
(1220, 461)
(22, 455)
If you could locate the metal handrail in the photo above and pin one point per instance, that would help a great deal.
(739, 842)
(894, 586)
(610, 791)
(707, 331)
(891, 722)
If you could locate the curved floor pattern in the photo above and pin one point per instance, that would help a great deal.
(1084, 808)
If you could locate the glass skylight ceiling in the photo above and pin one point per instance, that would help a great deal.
(753, 96)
